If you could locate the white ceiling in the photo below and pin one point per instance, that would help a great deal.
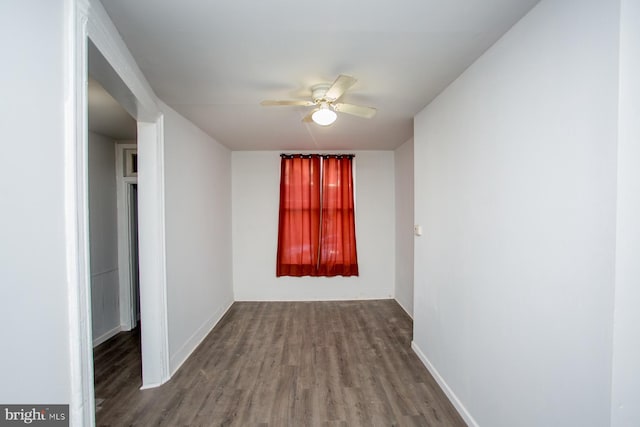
(214, 61)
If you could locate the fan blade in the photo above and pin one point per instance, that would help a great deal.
(339, 87)
(271, 103)
(355, 110)
(307, 118)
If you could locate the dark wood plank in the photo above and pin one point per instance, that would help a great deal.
(339, 363)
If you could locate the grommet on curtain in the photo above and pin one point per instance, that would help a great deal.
(324, 156)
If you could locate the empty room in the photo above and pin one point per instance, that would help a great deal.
(411, 213)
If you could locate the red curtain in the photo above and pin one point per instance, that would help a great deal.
(338, 235)
(299, 223)
(316, 234)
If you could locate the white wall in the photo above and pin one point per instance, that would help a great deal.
(34, 361)
(198, 233)
(625, 410)
(403, 158)
(515, 183)
(256, 186)
(103, 237)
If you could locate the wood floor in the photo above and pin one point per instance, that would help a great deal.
(346, 363)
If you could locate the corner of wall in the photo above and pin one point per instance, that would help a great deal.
(180, 356)
(403, 214)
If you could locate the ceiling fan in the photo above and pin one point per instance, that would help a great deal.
(324, 97)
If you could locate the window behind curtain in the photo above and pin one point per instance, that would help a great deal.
(316, 233)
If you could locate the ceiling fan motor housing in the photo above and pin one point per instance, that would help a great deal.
(324, 100)
(319, 91)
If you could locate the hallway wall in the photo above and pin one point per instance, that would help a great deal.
(33, 253)
(198, 239)
(516, 190)
(103, 238)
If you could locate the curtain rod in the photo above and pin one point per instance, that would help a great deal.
(308, 156)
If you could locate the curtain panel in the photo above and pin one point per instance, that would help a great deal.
(316, 230)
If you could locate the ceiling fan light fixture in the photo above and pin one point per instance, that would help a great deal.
(324, 99)
(324, 116)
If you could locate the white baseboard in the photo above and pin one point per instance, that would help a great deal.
(466, 416)
(104, 337)
(194, 341)
(149, 386)
(313, 299)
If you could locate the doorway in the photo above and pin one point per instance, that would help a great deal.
(90, 28)
(113, 243)
(128, 240)
(133, 254)
(151, 277)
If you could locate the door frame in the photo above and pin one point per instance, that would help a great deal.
(125, 267)
(134, 272)
(87, 20)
